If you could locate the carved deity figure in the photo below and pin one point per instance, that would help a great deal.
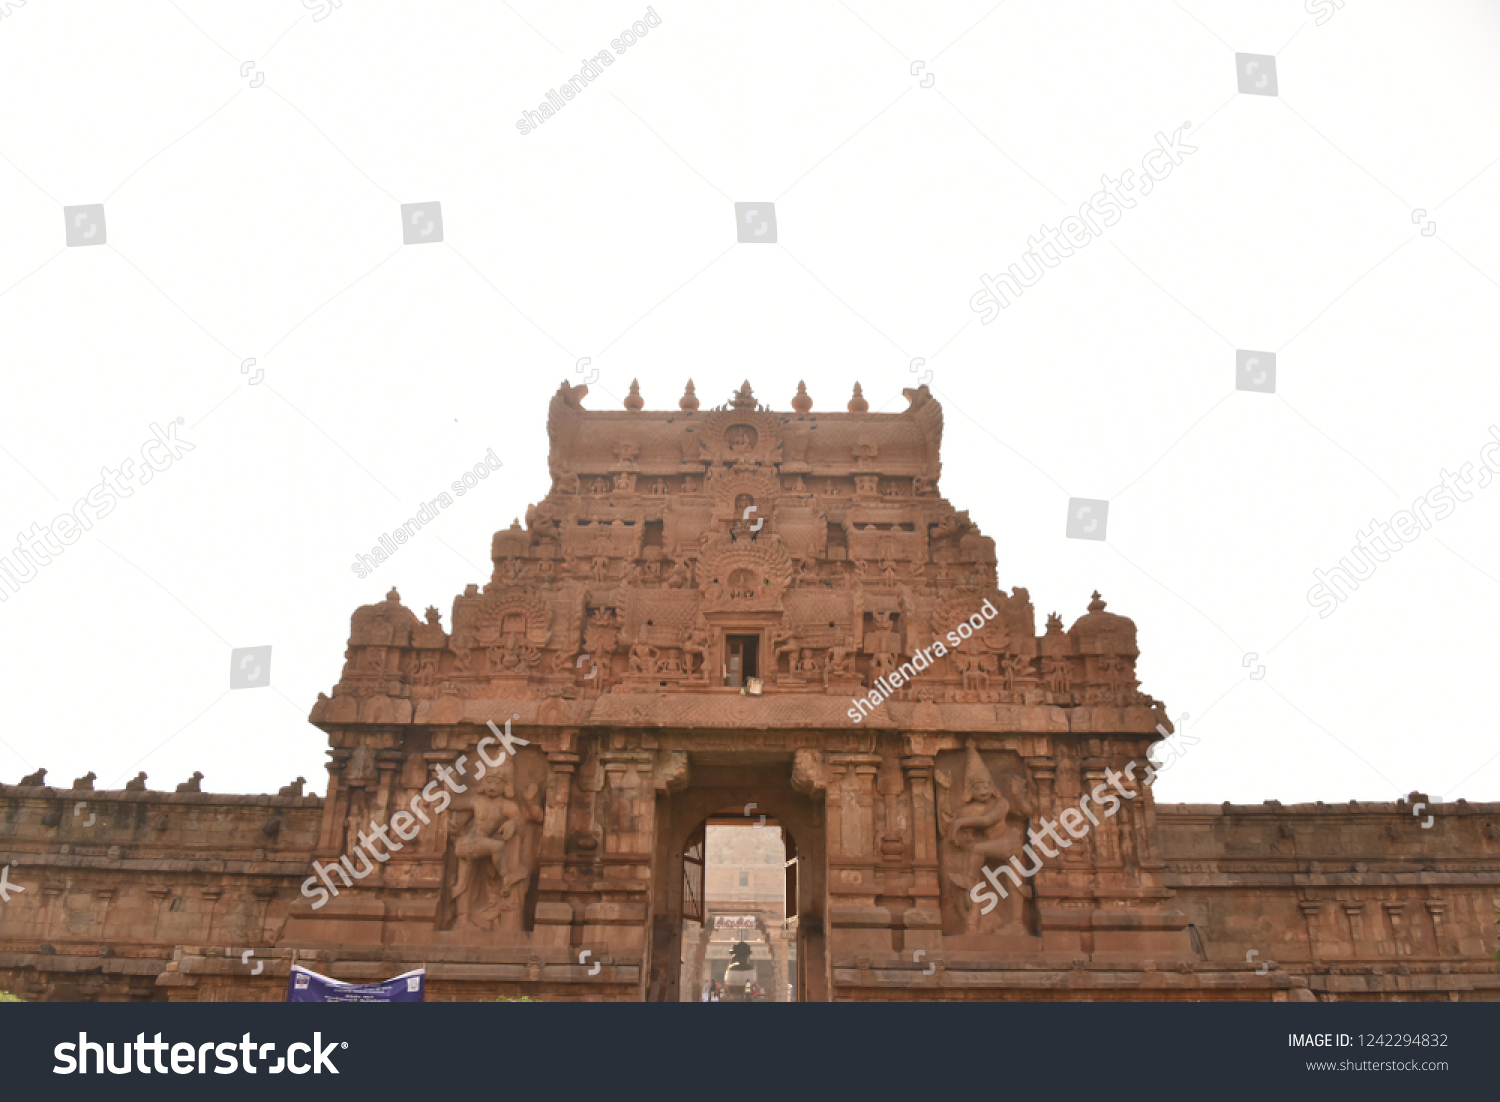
(643, 658)
(884, 661)
(840, 663)
(462, 645)
(599, 567)
(784, 641)
(970, 673)
(807, 664)
(987, 827)
(1015, 668)
(514, 656)
(494, 859)
(695, 641)
(1059, 676)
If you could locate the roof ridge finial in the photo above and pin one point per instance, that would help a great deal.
(688, 403)
(803, 401)
(633, 401)
(857, 404)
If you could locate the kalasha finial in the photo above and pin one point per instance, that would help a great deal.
(688, 403)
(857, 404)
(633, 401)
(802, 402)
(393, 596)
(1097, 604)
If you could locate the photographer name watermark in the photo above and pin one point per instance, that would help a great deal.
(886, 685)
(392, 541)
(590, 69)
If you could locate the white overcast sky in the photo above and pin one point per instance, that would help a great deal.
(254, 212)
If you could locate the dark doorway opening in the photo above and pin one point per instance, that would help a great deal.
(741, 946)
(742, 659)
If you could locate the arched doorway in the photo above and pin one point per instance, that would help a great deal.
(748, 918)
(720, 796)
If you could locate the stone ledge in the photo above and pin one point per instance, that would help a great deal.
(189, 799)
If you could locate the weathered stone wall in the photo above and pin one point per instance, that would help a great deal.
(104, 904)
(160, 897)
(710, 608)
(1359, 898)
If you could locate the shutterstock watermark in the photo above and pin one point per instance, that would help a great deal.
(193, 1058)
(1382, 540)
(1078, 819)
(590, 69)
(37, 548)
(407, 824)
(1323, 9)
(1103, 209)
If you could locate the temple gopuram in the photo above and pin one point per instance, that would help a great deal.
(771, 618)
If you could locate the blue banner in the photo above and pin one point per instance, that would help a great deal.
(305, 986)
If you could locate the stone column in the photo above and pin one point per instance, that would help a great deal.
(851, 796)
(618, 916)
(561, 766)
(1436, 908)
(1106, 834)
(336, 807)
(692, 980)
(387, 762)
(1311, 909)
(439, 829)
(1355, 912)
(554, 915)
(924, 855)
(777, 944)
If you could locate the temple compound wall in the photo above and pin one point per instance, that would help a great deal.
(680, 630)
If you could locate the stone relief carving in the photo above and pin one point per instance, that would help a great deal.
(494, 851)
(982, 822)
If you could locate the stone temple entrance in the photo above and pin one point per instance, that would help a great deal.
(741, 945)
(713, 608)
(722, 880)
